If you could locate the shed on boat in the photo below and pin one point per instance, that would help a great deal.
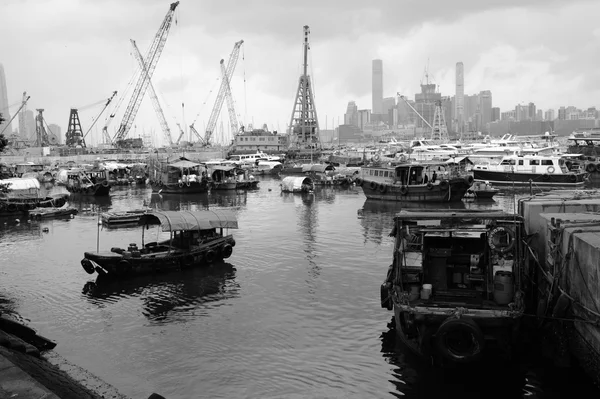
(320, 168)
(296, 184)
(190, 220)
(23, 188)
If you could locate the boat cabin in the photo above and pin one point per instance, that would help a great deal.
(408, 174)
(180, 171)
(29, 167)
(538, 164)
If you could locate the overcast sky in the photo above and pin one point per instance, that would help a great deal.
(72, 53)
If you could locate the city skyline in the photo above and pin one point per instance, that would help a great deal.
(85, 68)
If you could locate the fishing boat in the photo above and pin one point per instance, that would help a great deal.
(456, 282)
(231, 177)
(21, 195)
(180, 177)
(325, 175)
(195, 238)
(87, 182)
(415, 182)
(124, 218)
(481, 190)
(524, 170)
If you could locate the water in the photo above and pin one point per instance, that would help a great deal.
(293, 313)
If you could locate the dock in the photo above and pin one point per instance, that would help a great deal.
(564, 231)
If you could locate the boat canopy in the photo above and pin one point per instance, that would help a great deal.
(184, 163)
(21, 188)
(294, 183)
(190, 220)
(224, 168)
(317, 167)
(459, 160)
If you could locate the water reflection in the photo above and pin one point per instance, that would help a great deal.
(377, 217)
(179, 202)
(229, 198)
(13, 232)
(85, 203)
(171, 297)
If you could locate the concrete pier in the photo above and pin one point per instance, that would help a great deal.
(565, 229)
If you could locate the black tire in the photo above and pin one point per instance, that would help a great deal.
(382, 188)
(590, 168)
(358, 181)
(87, 266)
(459, 340)
(429, 186)
(210, 256)
(226, 251)
(124, 266)
(373, 185)
(403, 190)
(469, 179)
(444, 185)
(105, 183)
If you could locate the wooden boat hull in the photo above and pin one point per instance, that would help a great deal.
(155, 259)
(223, 185)
(97, 190)
(453, 191)
(180, 188)
(525, 179)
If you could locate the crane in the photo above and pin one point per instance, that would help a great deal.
(23, 103)
(233, 122)
(151, 59)
(212, 120)
(108, 101)
(415, 111)
(202, 140)
(157, 108)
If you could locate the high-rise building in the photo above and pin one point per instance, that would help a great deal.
(4, 103)
(364, 118)
(351, 115)
(539, 115)
(29, 133)
(377, 86)
(495, 114)
(485, 106)
(531, 112)
(389, 103)
(459, 101)
(549, 115)
(562, 113)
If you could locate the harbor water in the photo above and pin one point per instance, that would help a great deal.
(294, 312)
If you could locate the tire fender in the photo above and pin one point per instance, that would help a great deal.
(464, 325)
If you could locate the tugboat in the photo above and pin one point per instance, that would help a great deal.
(456, 281)
(194, 240)
(415, 182)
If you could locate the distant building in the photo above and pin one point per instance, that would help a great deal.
(425, 104)
(459, 104)
(485, 106)
(57, 131)
(377, 87)
(531, 112)
(351, 115)
(562, 113)
(495, 114)
(4, 104)
(508, 116)
(364, 118)
(29, 132)
(349, 133)
(540, 115)
(389, 103)
(549, 115)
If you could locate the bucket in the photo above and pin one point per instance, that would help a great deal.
(426, 291)
(504, 288)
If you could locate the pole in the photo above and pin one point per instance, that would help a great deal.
(98, 234)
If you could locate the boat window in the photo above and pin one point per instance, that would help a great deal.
(534, 162)
(547, 162)
(508, 162)
(520, 162)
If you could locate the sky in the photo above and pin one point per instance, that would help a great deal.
(74, 53)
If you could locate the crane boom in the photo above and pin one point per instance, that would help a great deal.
(157, 108)
(142, 83)
(212, 120)
(16, 113)
(193, 130)
(101, 112)
(233, 122)
(416, 112)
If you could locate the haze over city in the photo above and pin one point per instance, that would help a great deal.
(70, 54)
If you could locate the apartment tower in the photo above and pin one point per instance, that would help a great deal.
(460, 97)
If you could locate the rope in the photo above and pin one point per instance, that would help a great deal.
(563, 319)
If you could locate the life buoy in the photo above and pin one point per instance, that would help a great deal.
(105, 183)
(87, 265)
(188, 183)
(376, 158)
(403, 190)
(373, 185)
(590, 168)
(226, 251)
(469, 179)
(382, 188)
(180, 184)
(429, 186)
(11, 207)
(460, 340)
(494, 239)
(210, 256)
(550, 169)
(444, 185)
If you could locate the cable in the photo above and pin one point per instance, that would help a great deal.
(244, 69)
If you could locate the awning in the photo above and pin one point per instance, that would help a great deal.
(184, 163)
(460, 160)
(190, 220)
(21, 184)
(222, 167)
(317, 167)
(294, 183)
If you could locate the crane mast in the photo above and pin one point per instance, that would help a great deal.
(212, 120)
(157, 108)
(233, 122)
(23, 104)
(142, 83)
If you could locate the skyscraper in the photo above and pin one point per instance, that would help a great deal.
(460, 96)
(4, 103)
(485, 107)
(377, 86)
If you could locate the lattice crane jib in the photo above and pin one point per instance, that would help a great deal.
(74, 135)
(214, 115)
(151, 59)
(304, 124)
(439, 130)
(155, 103)
(233, 122)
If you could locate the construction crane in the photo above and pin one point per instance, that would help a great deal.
(233, 122)
(23, 103)
(157, 108)
(202, 140)
(212, 120)
(151, 59)
(415, 111)
(108, 101)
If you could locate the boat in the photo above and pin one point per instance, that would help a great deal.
(24, 194)
(415, 182)
(524, 170)
(195, 238)
(268, 168)
(231, 177)
(112, 219)
(297, 184)
(325, 175)
(180, 177)
(46, 213)
(481, 190)
(456, 282)
(87, 182)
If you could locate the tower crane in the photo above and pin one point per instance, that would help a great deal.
(157, 108)
(233, 122)
(212, 120)
(151, 59)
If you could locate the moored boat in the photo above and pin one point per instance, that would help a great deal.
(415, 182)
(297, 184)
(196, 238)
(180, 177)
(524, 170)
(84, 182)
(481, 190)
(455, 283)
